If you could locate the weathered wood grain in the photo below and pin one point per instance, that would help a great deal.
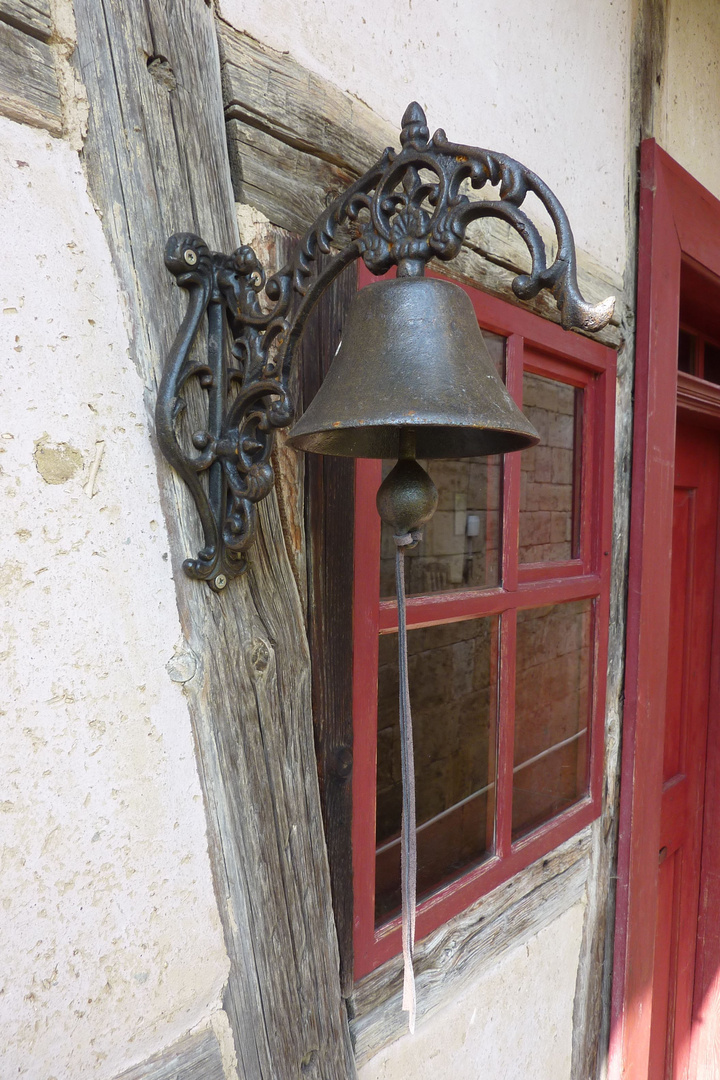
(196, 1057)
(456, 954)
(329, 529)
(29, 90)
(288, 185)
(273, 92)
(156, 158)
(32, 16)
(296, 141)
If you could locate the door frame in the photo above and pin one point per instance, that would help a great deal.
(679, 219)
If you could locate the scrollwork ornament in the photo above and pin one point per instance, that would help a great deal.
(412, 205)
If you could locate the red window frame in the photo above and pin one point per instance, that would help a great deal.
(541, 347)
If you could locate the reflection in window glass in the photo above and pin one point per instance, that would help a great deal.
(686, 352)
(711, 363)
(452, 670)
(549, 492)
(552, 699)
(460, 548)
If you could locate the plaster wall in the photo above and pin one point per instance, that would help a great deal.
(472, 1037)
(546, 83)
(111, 945)
(689, 118)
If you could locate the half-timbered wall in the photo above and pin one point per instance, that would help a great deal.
(165, 893)
(297, 93)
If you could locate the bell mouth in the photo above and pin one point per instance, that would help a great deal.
(431, 441)
(412, 356)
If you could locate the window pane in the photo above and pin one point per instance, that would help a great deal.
(549, 493)
(552, 699)
(461, 542)
(686, 352)
(460, 548)
(452, 670)
(711, 363)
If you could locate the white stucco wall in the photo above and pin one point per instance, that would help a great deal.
(688, 124)
(111, 945)
(473, 1038)
(546, 83)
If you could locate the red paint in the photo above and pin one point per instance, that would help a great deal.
(705, 1049)
(697, 470)
(543, 348)
(647, 623)
(678, 220)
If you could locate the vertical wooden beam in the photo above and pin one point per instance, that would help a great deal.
(330, 507)
(157, 163)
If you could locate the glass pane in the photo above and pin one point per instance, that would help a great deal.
(453, 674)
(686, 352)
(549, 492)
(552, 700)
(711, 364)
(460, 548)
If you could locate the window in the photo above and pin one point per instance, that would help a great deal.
(699, 331)
(507, 638)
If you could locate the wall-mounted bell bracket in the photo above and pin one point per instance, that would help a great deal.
(411, 206)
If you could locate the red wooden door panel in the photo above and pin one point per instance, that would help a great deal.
(697, 468)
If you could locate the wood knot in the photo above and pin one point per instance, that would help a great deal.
(160, 69)
(260, 656)
(309, 1064)
(342, 762)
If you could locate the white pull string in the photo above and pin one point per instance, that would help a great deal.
(408, 838)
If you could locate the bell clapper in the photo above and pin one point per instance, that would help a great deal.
(407, 498)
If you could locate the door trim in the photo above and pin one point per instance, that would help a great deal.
(678, 218)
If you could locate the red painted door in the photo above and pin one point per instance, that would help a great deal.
(675, 1019)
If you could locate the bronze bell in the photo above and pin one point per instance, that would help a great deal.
(412, 356)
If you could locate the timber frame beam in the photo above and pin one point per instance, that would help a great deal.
(156, 158)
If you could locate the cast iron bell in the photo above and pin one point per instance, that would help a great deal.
(412, 356)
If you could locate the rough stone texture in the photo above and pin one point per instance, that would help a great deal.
(111, 945)
(475, 1029)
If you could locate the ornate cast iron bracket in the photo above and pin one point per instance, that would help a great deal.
(411, 206)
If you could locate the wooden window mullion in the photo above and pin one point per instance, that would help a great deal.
(512, 471)
(506, 734)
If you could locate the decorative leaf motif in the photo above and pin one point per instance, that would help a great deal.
(404, 210)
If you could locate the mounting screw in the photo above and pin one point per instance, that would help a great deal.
(190, 257)
(220, 581)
